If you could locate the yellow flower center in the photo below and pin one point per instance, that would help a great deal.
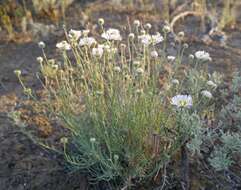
(183, 103)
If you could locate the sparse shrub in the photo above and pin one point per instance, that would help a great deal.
(6, 12)
(53, 8)
(16, 15)
(229, 132)
(129, 107)
(228, 17)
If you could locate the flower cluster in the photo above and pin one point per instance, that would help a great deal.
(112, 34)
(147, 39)
(63, 46)
(182, 101)
(203, 56)
(87, 41)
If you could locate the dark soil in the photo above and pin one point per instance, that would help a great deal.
(26, 166)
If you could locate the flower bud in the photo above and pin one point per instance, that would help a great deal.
(207, 94)
(181, 35)
(154, 54)
(64, 140)
(101, 21)
(116, 157)
(131, 36)
(191, 56)
(27, 91)
(51, 61)
(185, 45)
(166, 29)
(39, 59)
(148, 26)
(137, 23)
(75, 34)
(17, 72)
(123, 46)
(41, 45)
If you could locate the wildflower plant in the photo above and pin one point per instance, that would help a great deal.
(229, 130)
(125, 125)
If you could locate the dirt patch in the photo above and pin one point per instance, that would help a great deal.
(25, 166)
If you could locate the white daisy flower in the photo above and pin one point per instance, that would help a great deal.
(98, 52)
(206, 93)
(63, 46)
(87, 41)
(156, 39)
(182, 101)
(171, 58)
(145, 39)
(211, 83)
(112, 34)
(203, 56)
(75, 34)
(154, 54)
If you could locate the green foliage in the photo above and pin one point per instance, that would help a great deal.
(228, 14)
(230, 129)
(6, 20)
(127, 116)
(220, 159)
